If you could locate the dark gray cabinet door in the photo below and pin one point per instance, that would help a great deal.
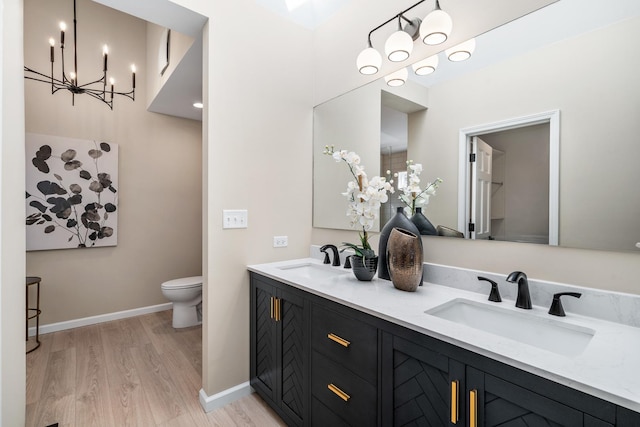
(279, 349)
(291, 353)
(263, 339)
(420, 386)
(495, 402)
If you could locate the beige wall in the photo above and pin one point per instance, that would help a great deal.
(159, 215)
(258, 156)
(12, 228)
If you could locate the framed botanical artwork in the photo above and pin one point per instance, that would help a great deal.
(71, 193)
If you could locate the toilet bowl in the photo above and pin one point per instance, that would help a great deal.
(186, 296)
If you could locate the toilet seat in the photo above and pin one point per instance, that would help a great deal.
(182, 283)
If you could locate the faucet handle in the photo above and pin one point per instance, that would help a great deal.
(495, 292)
(347, 262)
(556, 308)
(326, 257)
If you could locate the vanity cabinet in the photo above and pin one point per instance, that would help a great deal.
(317, 362)
(279, 350)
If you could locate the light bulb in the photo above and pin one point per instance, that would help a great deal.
(63, 26)
(398, 46)
(436, 27)
(105, 49)
(397, 78)
(112, 81)
(461, 51)
(426, 66)
(369, 61)
(52, 42)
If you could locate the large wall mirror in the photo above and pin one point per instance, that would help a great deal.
(577, 60)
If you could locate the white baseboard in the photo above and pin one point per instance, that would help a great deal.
(86, 321)
(218, 400)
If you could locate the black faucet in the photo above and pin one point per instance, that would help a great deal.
(524, 299)
(336, 255)
(495, 292)
(556, 306)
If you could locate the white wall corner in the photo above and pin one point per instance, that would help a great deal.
(218, 400)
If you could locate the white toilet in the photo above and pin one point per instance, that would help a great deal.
(186, 296)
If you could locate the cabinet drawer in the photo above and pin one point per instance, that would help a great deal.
(352, 399)
(349, 342)
(323, 417)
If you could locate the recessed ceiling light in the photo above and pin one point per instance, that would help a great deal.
(198, 104)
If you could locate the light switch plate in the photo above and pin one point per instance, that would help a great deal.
(236, 218)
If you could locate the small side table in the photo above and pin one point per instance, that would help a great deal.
(33, 313)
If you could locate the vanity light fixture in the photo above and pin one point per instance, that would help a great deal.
(96, 89)
(435, 29)
(462, 51)
(426, 66)
(397, 78)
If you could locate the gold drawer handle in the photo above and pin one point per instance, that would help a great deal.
(341, 394)
(473, 408)
(454, 402)
(339, 340)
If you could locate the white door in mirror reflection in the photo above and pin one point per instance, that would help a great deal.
(481, 170)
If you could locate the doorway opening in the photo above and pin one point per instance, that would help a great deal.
(509, 180)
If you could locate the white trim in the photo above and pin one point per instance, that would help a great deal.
(86, 321)
(553, 118)
(218, 400)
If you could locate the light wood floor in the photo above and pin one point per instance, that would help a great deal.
(131, 372)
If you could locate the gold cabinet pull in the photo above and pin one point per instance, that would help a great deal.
(276, 309)
(271, 306)
(473, 408)
(454, 402)
(341, 394)
(339, 340)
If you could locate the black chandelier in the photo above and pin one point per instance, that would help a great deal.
(96, 89)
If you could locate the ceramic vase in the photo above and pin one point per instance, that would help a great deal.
(404, 252)
(423, 224)
(399, 220)
(364, 269)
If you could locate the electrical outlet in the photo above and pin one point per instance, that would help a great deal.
(280, 241)
(235, 218)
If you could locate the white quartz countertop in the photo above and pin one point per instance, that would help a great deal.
(608, 368)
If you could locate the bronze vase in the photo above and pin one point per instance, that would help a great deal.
(404, 254)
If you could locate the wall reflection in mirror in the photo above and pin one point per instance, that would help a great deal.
(572, 57)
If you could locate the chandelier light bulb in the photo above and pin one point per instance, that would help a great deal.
(133, 68)
(112, 81)
(398, 46)
(105, 49)
(63, 26)
(52, 42)
(426, 66)
(461, 51)
(436, 27)
(369, 61)
(397, 78)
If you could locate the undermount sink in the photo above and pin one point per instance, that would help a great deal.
(544, 333)
(309, 270)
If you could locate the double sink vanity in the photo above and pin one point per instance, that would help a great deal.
(327, 349)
